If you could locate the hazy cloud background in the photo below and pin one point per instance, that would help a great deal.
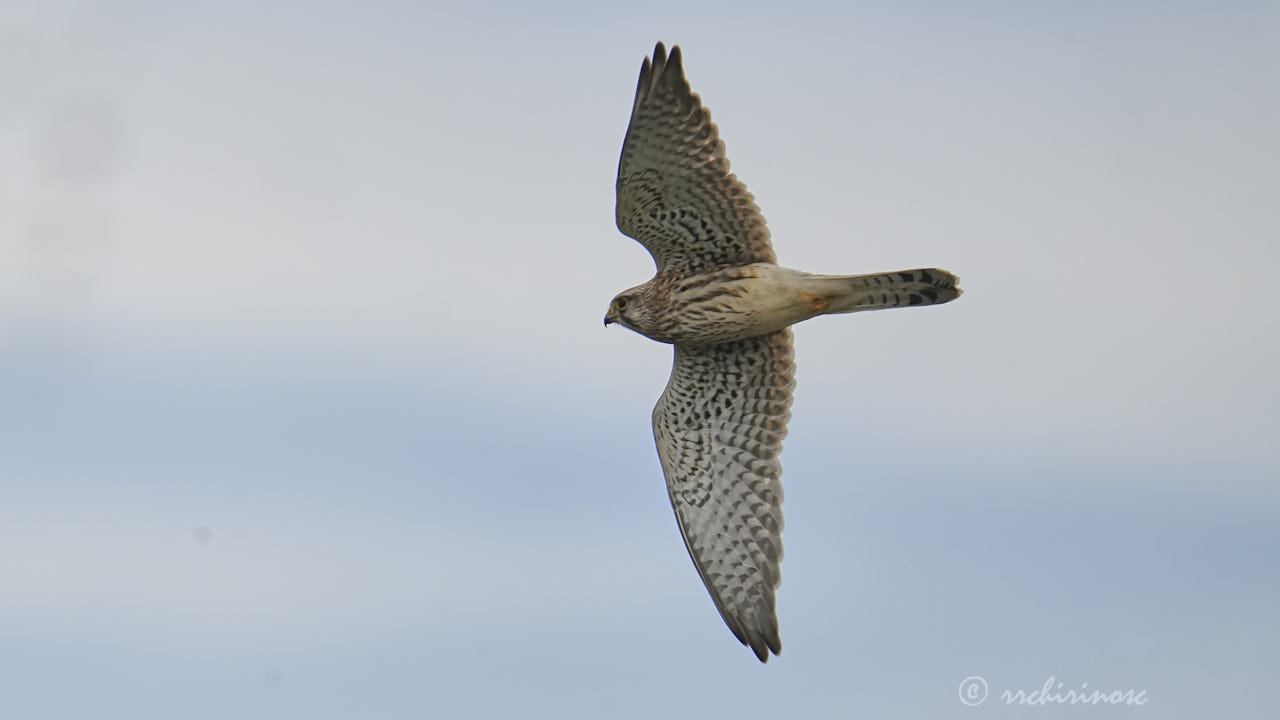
(306, 410)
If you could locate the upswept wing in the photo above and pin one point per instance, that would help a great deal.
(676, 195)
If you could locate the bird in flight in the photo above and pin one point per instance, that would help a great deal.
(722, 300)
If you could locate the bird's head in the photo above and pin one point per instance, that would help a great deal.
(617, 312)
(631, 309)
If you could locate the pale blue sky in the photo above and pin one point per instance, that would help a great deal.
(306, 410)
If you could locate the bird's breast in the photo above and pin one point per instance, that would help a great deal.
(735, 303)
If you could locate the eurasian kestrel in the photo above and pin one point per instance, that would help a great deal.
(720, 298)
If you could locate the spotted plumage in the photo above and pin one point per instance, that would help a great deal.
(720, 298)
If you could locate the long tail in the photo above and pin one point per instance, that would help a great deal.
(904, 288)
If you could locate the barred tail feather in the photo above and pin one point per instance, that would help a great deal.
(903, 288)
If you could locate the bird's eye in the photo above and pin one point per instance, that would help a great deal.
(620, 304)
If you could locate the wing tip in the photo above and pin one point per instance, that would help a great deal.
(653, 70)
(761, 637)
(662, 58)
(762, 645)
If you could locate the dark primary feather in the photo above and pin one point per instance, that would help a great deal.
(676, 195)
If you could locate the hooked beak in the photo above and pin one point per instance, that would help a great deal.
(609, 318)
